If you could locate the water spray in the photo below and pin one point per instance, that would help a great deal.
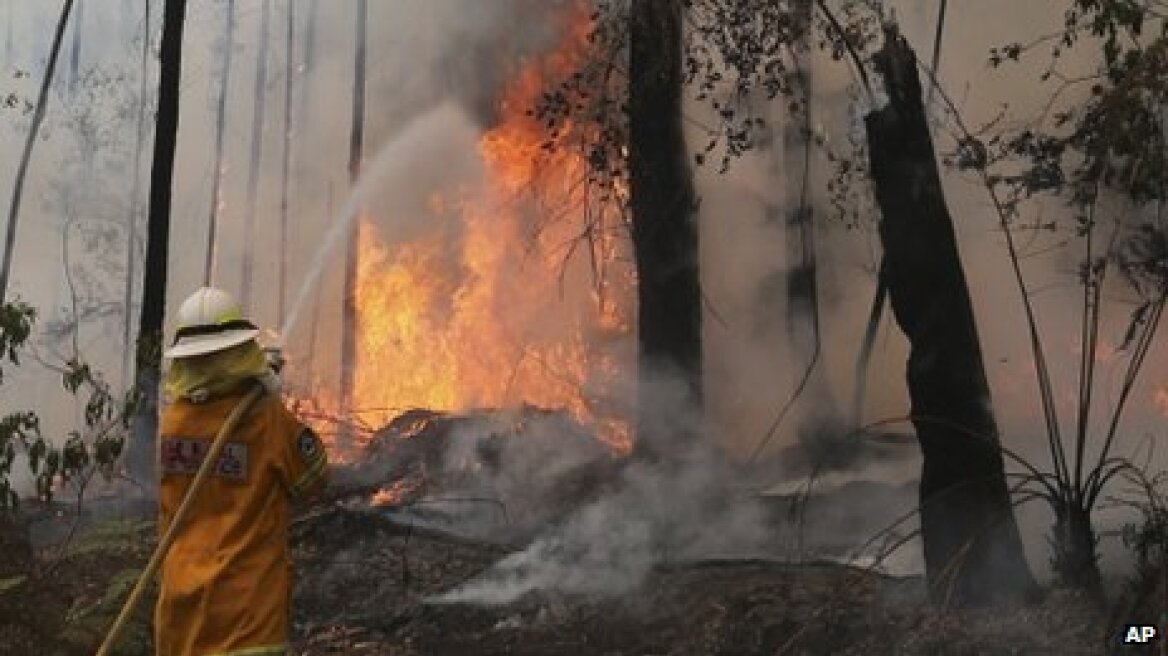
(395, 160)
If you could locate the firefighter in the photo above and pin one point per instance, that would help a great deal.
(227, 579)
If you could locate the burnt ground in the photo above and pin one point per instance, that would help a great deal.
(365, 586)
(60, 598)
(368, 576)
(372, 598)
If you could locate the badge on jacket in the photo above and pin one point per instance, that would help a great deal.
(181, 455)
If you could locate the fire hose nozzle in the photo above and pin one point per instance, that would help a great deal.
(275, 358)
(273, 347)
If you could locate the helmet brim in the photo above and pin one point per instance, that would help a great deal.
(193, 345)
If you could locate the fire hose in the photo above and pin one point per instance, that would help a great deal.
(167, 540)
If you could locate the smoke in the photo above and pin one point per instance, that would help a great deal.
(682, 507)
(753, 365)
(426, 59)
(657, 515)
(506, 475)
(74, 218)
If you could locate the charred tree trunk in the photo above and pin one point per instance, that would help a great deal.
(973, 552)
(349, 312)
(253, 170)
(665, 232)
(149, 353)
(220, 125)
(1075, 561)
(38, 117)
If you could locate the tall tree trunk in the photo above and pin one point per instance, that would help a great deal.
(220, 125)
(9, 50)
(310, 37)
(38, 117)
(349, 312)
(973, 552)
(135, 201)
(665, 233)
(802, 315)
(936, 63)
(311, 186)
(140, 457)
(253, 172)
(75, 50)
(314, 327)
(286, 162)
(818, 412)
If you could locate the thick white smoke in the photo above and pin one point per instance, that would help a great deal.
(658, 514)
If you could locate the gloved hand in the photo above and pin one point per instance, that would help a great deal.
(271, 381)
(275, 357)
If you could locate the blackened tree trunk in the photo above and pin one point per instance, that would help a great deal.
(973, 552)
(349, 312)
(148, 366)
(665, 232)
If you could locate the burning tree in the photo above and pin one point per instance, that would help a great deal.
(456, 317)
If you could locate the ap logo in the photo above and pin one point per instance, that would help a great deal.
(1139, 634)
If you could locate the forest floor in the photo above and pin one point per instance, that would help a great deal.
(378, 600)
(370, 580)
(366, 585)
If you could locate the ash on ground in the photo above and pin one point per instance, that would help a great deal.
(519, 533)
(617, 558)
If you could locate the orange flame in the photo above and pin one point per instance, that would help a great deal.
(508, 312)
(394, 493)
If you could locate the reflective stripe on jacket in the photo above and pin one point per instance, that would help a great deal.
(226, 582)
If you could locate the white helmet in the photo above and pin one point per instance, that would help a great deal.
(208, 321)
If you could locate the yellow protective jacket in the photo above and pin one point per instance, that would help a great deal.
(226, 581)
